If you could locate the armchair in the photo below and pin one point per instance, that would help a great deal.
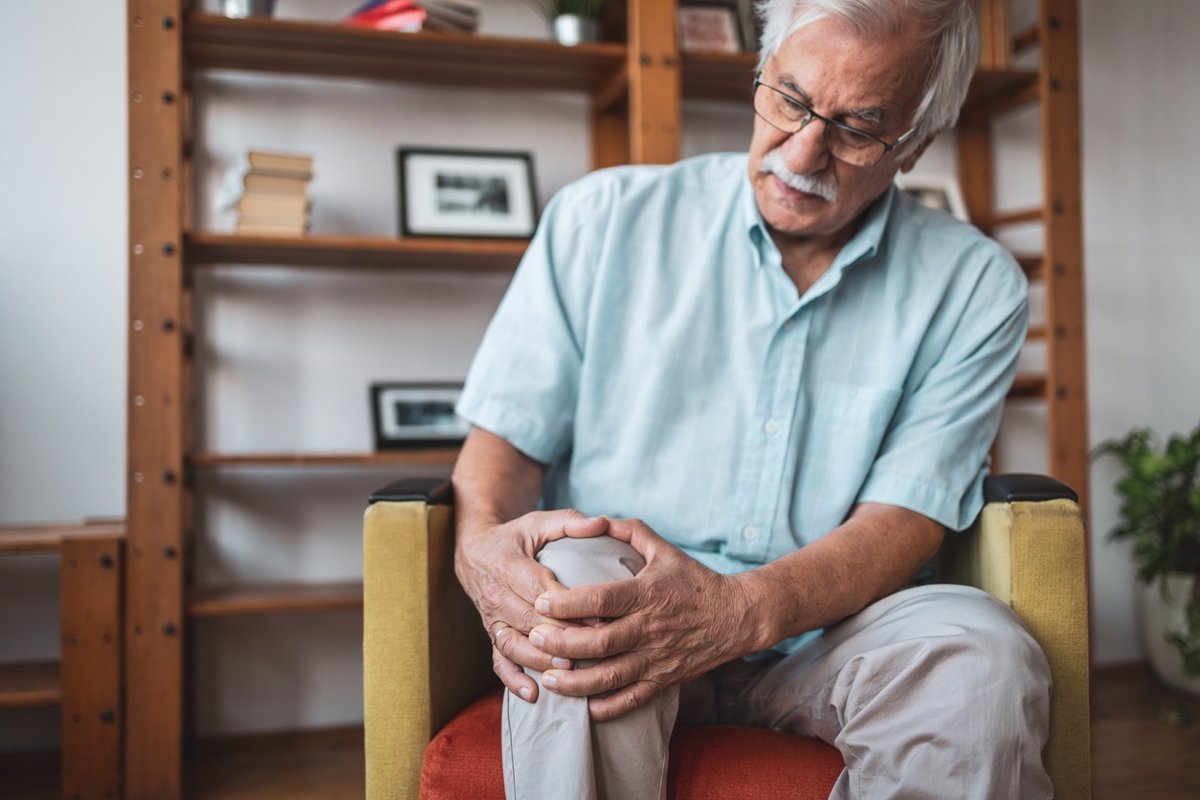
(427, 659)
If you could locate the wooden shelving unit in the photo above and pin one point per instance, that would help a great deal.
(277, 598)
(635, 88)
(424, 457)
(30, 685)
(86, 682)
(354, 252)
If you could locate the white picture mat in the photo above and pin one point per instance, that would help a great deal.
(945, 185)
(392, 429)
(421, 195)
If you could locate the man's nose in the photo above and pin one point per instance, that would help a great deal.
(805, 150)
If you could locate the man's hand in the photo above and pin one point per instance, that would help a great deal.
(497, 568)
(675, 620)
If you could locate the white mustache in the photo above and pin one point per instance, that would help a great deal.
(826, 188)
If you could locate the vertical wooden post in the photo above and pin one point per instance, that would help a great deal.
(1062, 180)
(995, 34)
(90, 570)
(154, 497)
(654, 82)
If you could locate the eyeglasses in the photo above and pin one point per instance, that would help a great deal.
(783, 111)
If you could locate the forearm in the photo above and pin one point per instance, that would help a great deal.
(493, 482)
(871, 555)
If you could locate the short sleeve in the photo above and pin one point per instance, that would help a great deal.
(934, 456)
(524, 380)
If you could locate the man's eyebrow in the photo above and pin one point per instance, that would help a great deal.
(872, 115)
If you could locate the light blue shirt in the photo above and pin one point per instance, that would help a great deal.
(653, 352)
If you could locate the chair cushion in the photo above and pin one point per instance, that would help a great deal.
(711, 762)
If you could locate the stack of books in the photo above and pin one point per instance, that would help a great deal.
(272, 198)
(409, 16)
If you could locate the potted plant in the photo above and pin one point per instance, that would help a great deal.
(572, 21)
(1160, 513)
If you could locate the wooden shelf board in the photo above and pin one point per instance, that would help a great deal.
(459, 60)
(362, 252)
(47, 537)
(30, 684)
(274, 599)
(1031, 263)
(428, 456)
(1028, 386)
(728, 77)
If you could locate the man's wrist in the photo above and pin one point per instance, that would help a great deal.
(758, 617)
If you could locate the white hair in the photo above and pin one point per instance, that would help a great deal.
(948, 24)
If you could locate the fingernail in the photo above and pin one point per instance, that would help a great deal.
(537, 639)
(542, 604)
(525, 693)
(549, 681)
(560, 663)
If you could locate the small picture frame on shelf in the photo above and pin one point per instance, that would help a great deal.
(408, 415)
(466, 193)
(709, 27)
(938, 192)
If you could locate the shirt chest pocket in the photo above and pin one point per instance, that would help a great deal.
(843, 430)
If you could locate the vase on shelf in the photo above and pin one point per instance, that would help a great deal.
(572, 29)
(241, 9)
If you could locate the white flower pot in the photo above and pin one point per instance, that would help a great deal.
(1162, 614)
(570, 29)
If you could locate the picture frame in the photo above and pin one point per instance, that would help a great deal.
(710, 27)
(466, 193)
(408, 414)
(940, 192)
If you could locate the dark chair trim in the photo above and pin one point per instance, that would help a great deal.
(1025, 487)
(429, 490)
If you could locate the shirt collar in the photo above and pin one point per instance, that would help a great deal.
(863, 245)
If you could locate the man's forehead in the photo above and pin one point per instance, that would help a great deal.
(874, 110)
(833, 64)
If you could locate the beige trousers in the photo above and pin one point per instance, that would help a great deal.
(933, 692)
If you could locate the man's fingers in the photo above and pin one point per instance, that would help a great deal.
(548, 526)
(614, 599)
(513, 678)
(517, 648)
(601, 641)
(530, 579)
(609, 675)
(519, 614)
(622, 702)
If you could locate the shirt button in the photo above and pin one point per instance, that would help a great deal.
(772, 427)
(750, 533)
(791, 323)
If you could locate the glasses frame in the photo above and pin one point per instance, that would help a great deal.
(804, 123)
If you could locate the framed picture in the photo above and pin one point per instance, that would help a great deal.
(709, 28)
(938, 192)
(466, 193)
(416, 415)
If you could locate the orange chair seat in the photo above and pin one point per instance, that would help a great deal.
(711, 762)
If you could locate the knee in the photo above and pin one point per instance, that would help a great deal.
(990, 650)
(583, 562)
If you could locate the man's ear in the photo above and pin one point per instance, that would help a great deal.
(911, 159)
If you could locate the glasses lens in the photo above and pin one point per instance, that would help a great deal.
(852, 146)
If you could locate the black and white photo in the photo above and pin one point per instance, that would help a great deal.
(466, 193)
(416, 414)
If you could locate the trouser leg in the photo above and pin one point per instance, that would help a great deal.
(552, 750)
(933, 692)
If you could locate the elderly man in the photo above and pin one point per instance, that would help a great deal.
(790, 374)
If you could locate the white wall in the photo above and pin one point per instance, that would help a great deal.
(289, 354)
